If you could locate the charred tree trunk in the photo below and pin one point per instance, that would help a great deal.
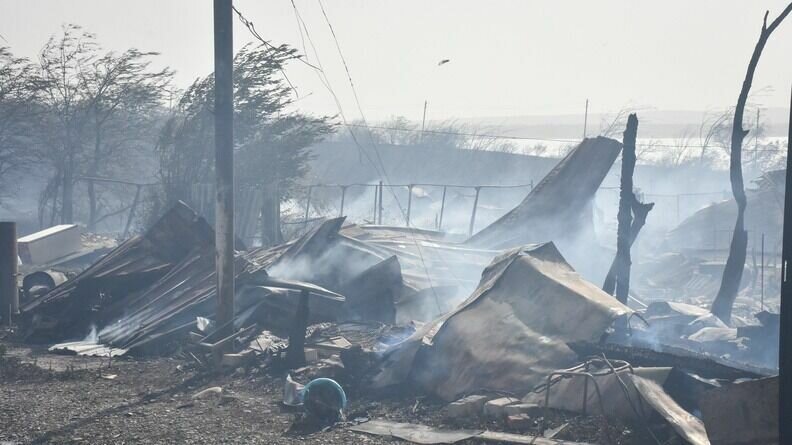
(626, 199)
(640, 211)
(67, 202)
(93, 209)
(735, 263)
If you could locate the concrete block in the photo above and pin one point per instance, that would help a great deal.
(529, 409)
(232, 360)
(496, 408)
(519, 422)
(49, 244)
(466, 407)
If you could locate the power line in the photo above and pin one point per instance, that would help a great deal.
(384, 174)
(322, 76)
(249, 25)
(252, 29)
(529, 138)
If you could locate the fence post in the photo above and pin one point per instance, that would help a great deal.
(379, 220)
(473, 215)
(307, 206)
(343, 197)
(376, 192)
(132, 212)
(442, 208)
(409, 203)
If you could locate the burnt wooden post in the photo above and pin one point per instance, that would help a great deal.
(409, 203)
(295, 352)
(9, 295)
(442, 209)
(640, 211)
(473, 214)
(224, 166)
(624, 216)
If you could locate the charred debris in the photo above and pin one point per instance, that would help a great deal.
(499, 327)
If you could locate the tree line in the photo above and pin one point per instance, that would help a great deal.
(79, 112)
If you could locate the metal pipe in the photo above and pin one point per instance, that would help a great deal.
(9, 294)
(442, 209)
(224, 166)
(473, 215)
(585, 121)
(376, 192)
(308, 205)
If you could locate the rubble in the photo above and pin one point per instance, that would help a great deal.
(423, 434)
(509, 337)
(460, 352)
(470, 406)
(742, 413)
(496, 408)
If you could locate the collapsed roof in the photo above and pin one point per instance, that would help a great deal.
(511, 332)
(558, 205)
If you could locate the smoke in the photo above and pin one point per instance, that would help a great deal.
(93, 336)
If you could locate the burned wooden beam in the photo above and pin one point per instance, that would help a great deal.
(295, 352)
(625, 219)
(640, 212)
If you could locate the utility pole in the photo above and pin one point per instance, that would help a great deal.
(585, 121)
(785, 344)
(423, 121)
(224, 166)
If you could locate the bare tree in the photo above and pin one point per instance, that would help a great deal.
(98, 108)
(17, 108)
(123, 96)
(735, 263)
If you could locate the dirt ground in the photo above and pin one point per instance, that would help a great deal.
(47, 398)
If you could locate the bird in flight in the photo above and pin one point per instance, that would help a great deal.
(443, 62)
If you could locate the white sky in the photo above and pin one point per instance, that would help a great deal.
(508, 58)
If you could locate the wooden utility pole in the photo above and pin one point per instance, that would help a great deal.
(626, 198)
(224, 164)
(785, 346)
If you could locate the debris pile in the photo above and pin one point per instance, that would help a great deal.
(500, 327)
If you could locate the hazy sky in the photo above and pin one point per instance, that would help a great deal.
(507, 57)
